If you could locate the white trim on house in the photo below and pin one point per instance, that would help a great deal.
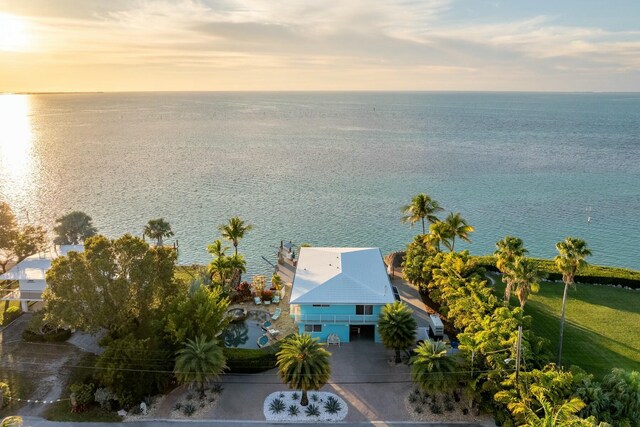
(341, 276)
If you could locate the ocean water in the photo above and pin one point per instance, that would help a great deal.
(330, 168)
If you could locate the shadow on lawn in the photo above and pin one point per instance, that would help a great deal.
(583, 347)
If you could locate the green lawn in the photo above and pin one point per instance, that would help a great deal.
(61, 411)
(602, 329)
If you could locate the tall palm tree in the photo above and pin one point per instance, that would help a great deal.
(506, 252)
(526, 278)
(432, 369)
(200, 361)
(397, 327)
(439, 232)
(217, 249)
(571, 259)
(458, 227)
(551, 413)
(234, 231)
(421, 207)
(303, 363)
(158, 229)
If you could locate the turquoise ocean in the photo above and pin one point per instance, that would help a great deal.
(330, 168)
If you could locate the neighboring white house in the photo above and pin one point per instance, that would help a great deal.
(340, 291)
(31, 274)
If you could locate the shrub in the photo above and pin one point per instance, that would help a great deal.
(217, 388)
(5, 394)
(104, 397)
(418, 409)
(250, 361)
(591, 274)
(276, 406)
(413, 398)
(312, 411)
(37, 331)
(10, 315)
(332, 405)
(242, 292)
(295, 395)
(293, 410)
(83, 394)
(189, 409)
(189, 396)
(314, 397)
(177, 406)
(435, 407)
(267, 295)
(281, 395)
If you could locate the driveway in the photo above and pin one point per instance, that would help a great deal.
(411, 297)
(360, 374)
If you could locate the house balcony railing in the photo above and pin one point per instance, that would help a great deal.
(335, 318)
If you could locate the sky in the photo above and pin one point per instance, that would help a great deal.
(201, 45)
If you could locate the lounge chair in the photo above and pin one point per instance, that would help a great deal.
(257, 300)
(276, 314)
(267, 302)
(273, 331)
(276, 299)
(333, 339)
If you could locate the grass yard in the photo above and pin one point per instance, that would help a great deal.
(602, 327)
(61, 411)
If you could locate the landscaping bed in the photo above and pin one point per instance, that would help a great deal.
(322, 407)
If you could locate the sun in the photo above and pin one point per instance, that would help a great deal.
(13, 33)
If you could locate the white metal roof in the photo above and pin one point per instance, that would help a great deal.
(35, 266)
(341, 276)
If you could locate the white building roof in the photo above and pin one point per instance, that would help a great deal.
(35, 266)
(341, 276)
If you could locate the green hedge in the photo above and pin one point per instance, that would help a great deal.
(250, 361)
(9, 315)
(592, 274)
(55, 336)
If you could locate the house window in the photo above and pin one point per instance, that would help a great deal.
(313, 328)
(321, 305)
(364, 310)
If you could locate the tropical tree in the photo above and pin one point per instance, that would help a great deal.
(508, 249)
(397, 327)
(551, 413)
(158, 229)
(421, 207)
(200, 312)
(276, 281)
(119, 285)
(571, 259)
(432, 369)
(18, 242)
(234, 231)
(73, 228)
(12, 421)
(200, 361)
(458, 227)
(303, 363)
(439, 232)
(526, 277)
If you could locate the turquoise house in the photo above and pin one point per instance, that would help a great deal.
(340, 291)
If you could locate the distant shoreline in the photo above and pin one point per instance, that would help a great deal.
(325, 91)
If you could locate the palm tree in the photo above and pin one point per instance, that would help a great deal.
(303, 363)
(200, 361)
(73, 228)
(217, 250)
(158, 229)
(526, 278)
(234, 231)
(550, 413)
(507, 250)
(397, 327)
(458, 227)
(570, 261)
(12, 421)
(421, 207)
(439, 232)
(432, 369)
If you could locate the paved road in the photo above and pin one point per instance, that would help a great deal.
(39, 422)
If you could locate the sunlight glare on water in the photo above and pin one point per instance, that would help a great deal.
(16, 145)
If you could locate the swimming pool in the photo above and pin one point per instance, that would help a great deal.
(245, 334)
